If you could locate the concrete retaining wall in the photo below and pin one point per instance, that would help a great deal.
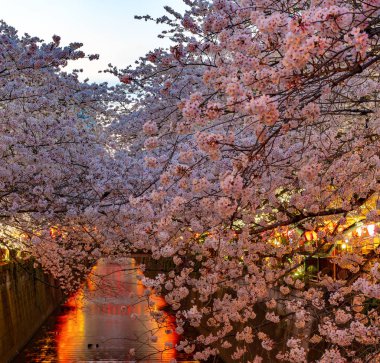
(27, 298)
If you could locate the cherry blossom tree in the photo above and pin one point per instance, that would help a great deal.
(244, 153)
(259, 134)
(56, 166)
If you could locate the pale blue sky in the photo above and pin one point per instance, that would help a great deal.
(106, 27)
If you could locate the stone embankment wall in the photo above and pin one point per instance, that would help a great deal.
(27, 298)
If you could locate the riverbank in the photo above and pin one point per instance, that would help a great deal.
(28, 297)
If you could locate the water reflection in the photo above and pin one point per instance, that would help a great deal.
(105, 321)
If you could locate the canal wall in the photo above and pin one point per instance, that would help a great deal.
(27, 298)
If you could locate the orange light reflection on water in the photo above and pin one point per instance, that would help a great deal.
(107, 322)
(167, 338)
(71, 327)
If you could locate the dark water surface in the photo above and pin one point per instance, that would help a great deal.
(104, 321)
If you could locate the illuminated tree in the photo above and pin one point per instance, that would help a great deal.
(261, 150)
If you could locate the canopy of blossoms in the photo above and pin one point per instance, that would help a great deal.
(261, 154)
(243, 154)
(54, 161)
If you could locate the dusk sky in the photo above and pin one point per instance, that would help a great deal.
(105, 27)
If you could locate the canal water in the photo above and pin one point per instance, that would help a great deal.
(107, 321)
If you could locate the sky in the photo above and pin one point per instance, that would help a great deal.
(105, 27)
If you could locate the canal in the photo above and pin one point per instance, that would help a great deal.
(107, 321)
